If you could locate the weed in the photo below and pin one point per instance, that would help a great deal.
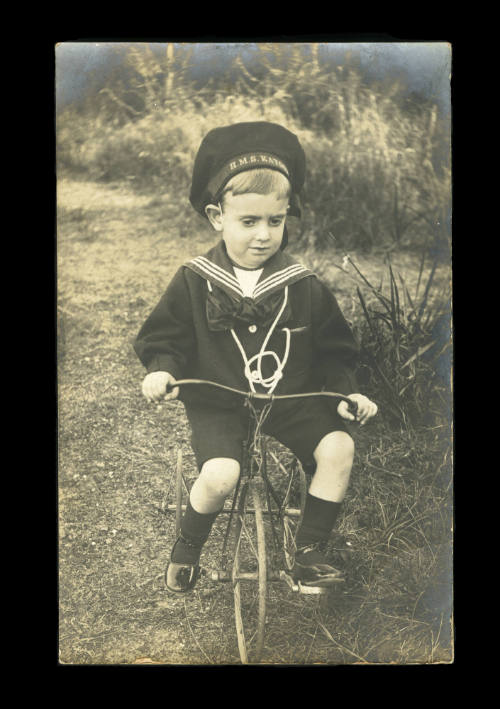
(405, 343)
(376, 171)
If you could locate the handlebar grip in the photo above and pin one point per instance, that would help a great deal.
(352, 407)
(170, 387)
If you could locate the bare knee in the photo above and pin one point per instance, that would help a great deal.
(336, 449)
(220, 475)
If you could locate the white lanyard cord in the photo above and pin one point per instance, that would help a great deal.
(256, 376)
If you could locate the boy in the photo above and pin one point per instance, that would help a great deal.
(247, 315)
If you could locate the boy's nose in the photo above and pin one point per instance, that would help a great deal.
(263, 234)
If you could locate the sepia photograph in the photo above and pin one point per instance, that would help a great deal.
(254, 353)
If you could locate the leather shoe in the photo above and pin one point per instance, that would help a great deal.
(312, 569)
(181, 578)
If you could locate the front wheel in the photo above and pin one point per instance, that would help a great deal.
(292, 516)
(249, 576)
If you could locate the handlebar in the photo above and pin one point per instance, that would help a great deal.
(352, 405)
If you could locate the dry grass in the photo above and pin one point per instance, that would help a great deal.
(378, 159)
(116, 252)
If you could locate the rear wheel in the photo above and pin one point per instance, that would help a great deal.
(249, 576)
(181, 493)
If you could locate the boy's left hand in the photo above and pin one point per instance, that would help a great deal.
(366, 409)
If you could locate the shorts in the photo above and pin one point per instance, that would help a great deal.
(299, 425)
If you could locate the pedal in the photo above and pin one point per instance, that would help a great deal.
(298, 587)
(289, 580)
(313, 590)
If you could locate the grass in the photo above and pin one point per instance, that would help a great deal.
(117, 250)
(377, 158)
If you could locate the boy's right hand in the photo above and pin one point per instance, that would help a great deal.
(154, 386)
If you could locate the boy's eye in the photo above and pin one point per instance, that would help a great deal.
(274, 221)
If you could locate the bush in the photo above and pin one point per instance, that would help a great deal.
(375, 175)
(156, 150)
(369, 197)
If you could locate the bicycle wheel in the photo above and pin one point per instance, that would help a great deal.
(250, 569)
(296, 492)
(179, 487)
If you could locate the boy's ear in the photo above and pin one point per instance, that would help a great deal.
(214, 214)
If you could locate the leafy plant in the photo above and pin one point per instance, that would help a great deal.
(405, 344)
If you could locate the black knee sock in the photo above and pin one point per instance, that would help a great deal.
(195, 529)
(318, 520)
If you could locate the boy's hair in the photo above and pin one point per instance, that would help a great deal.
(260, 181)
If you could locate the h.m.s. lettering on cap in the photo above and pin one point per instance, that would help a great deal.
(227, 150)
(245, 162)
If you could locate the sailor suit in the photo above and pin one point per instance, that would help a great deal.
(289, 337)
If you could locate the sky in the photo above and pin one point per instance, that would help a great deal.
(425, 67)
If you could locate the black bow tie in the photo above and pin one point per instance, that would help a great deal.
(224, 313)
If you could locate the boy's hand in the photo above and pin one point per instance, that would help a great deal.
(154, 386)
(366, 409)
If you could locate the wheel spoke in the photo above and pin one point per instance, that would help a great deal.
(250, 599)
(186, 487)
(178, 492)
(249, 537)
(290, 525)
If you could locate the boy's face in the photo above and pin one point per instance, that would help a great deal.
(252, 226)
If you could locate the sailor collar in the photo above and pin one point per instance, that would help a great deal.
(279, 271)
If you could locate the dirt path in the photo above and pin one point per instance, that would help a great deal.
(114, 453)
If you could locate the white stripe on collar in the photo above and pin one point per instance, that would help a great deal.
(215, 267)
(277, 278)
(274, 281)
(212, 271)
